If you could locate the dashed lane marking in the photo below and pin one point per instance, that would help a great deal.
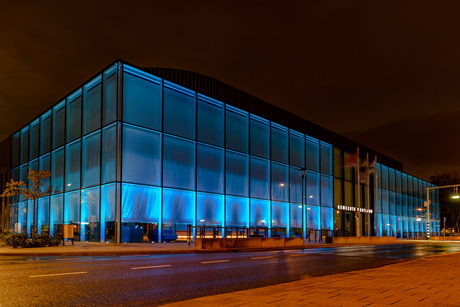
(216, 261)
(151, 267)
(60, 274)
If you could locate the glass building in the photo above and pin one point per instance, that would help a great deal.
(137, 153)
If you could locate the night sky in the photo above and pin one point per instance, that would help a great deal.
(385, 74)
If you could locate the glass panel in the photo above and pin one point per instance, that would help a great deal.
(337, 192)
(236, 129)
(392, 203)
(280, 182)
(260, 213)
(312, 151)
(108, 216)
(210, 169)
(30, 206)
(210, 126)
(385, 203)
(260, 137)
(34, 139)
(59, 124)
(92, 99)
(109, 153)
(326, 159)
(45, 165)
(90, 200)
(178, 207)
(91, 164)
(25, 145)
(279, 143)
(142, 101)
(22, 218)
(260, 178)
(313, 217)
(295, 220)
(398, 205)
(15, 150)
(326, 191)
(348, 189)
(237, 210)
(296, 149)
(57, 169)
(327, 218)
(72, 212)
(338, 164)
(74, 116)
(349, 166)
(210, 209)
(141, 156)
(45, 132)
(384, 178)
(141, 204)
(312, 186)
(179, 111)
(109, 99)
(23, 170)
(72, 175)
(295, 186)
(179, 163)
(404, 183)
(280, 214)
(237, 174)
(43, 219)
(391, 179)
(398, 182)
(56, 213)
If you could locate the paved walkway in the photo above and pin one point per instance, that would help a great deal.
(430, 281)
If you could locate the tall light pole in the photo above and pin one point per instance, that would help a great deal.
(302, 173)
(427, 204)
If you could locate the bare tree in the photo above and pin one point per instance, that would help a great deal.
(37, 189)
(448, 207)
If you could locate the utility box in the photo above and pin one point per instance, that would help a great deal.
(68, 233)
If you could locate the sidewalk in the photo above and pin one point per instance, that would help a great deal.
(430, 281)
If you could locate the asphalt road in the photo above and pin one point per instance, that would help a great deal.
(151, 280)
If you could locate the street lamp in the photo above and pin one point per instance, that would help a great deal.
(302, 173)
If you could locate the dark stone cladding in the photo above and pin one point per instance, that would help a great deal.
(223, 92)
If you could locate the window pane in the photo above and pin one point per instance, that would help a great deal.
(236, 129)
(34, 139)
(59, 124)
(295, 185)
(210, 209)
(74, 116)
(327, 218)
(260, 178)
(109, 153)
(279, 177)
(108, 216)
(92, 106)
(45, 133)
(90, 199)
(57, 169)
(311, 148)
(43, 217)
(109, 102)
(141, 156)
(178, 207)
(142, 101)
(72, 212)
(72, 177)
(326, 159)
(260, 213)
(237, 174)
(297, 149)
(15, 150)
(391, 179)
(260, 137)
(210, 169)
(23, 173)
(279, 143)
(56, 213)
(280, 213)
(179, 163)
(45, 165)
(384, 177)
(312, 194)
(338, 164)
(326, 191)
(91, 163)
(179, 112)
(313, 218)
(237, 209)
(210, 122)
(295, 220)
(141, 204)
(25, 145)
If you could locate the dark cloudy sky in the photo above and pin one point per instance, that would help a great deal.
(386, 74)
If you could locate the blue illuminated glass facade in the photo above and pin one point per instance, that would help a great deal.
(134, 156)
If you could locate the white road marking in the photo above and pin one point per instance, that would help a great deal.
(74, 258)
(134, 256)
(59, 274)
(262, 257)
(216, 261)
(151, 267)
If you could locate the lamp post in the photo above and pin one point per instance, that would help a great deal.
(427, 204)
(302, 173)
